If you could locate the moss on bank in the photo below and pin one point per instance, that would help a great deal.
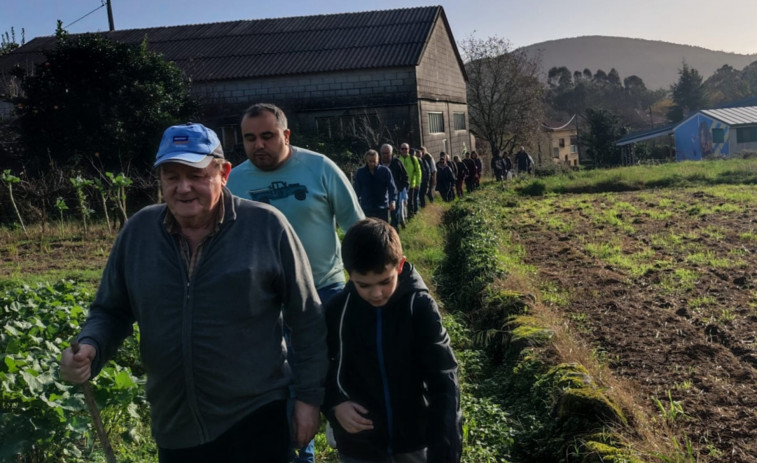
(563, 413)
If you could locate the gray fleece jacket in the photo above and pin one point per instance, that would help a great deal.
(212, 344)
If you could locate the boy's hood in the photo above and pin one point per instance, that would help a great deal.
(409, 281)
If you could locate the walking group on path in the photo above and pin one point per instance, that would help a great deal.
(248, 330)
(393, 187)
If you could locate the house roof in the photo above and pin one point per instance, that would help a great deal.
(282, 46)
(645, 135)
(553, 125)
(733, 116)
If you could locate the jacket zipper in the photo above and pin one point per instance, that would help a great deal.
(187, 316)
(384, 381)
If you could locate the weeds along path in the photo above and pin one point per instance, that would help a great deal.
(663, 285)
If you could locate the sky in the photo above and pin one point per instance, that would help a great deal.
(706, 24)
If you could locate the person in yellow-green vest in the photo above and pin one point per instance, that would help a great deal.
(413, 168)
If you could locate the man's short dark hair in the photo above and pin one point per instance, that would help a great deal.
(370, 245)
(259, 108)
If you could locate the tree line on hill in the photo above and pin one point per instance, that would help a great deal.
(610, 107)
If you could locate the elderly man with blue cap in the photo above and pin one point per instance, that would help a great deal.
(210, 278)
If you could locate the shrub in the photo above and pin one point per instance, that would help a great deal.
(43, 418)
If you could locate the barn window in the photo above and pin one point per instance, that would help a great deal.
(435, 123)
(459, 121)
(746, 134)
(718, 135)
(323, 126)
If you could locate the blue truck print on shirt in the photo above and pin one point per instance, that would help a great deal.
(279, 190)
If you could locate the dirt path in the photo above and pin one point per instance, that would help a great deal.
(664, 286)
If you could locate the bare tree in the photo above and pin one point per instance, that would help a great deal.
(504, 92)
(373, 129)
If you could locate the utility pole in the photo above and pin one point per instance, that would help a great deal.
(111, 27)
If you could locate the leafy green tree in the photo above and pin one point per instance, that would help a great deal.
(749, 75)
(8, 41)
(603, 129)
(688, 94)
(79, 185)
(9, 180)
(96, 98)
(61, 205)
(727, 84)
(117, 192)
(559, 77)
(613, 78)
(629, 98)
(600, 77)
(504, 92)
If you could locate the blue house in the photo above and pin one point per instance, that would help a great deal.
(716, 132)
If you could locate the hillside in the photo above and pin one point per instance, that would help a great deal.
(656, 62)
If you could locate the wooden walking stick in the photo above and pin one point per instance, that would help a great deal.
(92, 406)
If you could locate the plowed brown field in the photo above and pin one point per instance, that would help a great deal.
(663, 285)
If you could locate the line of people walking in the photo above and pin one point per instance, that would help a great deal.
(452, 175)
(393, 187)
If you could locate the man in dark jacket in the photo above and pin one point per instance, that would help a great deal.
(445, 179)
(429, 160)
(392, 392)
(498, 165)
(472, 176)
(401, 181)
(375, 188)
(210, 278)
(523, 161)
(479, 168)
(425, 177)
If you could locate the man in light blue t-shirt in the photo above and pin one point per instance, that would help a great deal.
(309, 188)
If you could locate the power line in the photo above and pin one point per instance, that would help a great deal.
(102, 4)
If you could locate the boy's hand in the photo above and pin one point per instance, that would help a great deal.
(350, 416)
(77, 368)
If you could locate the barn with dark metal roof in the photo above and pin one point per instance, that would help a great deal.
(377, 76)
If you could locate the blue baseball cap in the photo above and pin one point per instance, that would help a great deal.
(192, 144)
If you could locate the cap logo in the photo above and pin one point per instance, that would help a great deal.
(180, 139)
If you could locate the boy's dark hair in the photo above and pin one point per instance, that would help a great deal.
(370, 245)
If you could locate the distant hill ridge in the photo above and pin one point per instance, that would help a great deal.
(656, 62)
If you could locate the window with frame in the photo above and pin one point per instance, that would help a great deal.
(435, 123)
(746, 134)
(562, 143)
(458, 121)
(556, 152)
(718, 135)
